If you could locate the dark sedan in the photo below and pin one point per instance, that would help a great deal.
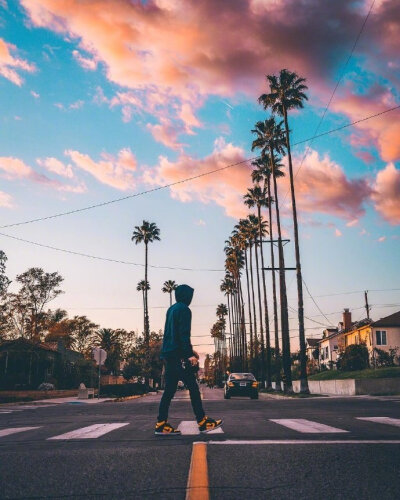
(241, 384)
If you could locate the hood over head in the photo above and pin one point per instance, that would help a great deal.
(184, 293)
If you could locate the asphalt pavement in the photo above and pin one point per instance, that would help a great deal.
(340, 448)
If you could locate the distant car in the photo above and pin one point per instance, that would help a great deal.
(241, 384)
(181, 386)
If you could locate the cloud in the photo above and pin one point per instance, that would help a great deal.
(386, 194)
(352, 223)
(85, 62)
(6, 200)
(56, 166)
(383, 131)
(115, 171)
(381, 239)
(10, 65)
(322, 186)
(12, 168)
(166, 133)
(34, 94)
(225, 188)
(338, 233)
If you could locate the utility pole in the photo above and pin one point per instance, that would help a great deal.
(367, 306)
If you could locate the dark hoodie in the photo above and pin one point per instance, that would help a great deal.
(176, 342)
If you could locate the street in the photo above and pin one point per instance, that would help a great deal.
(285, 448)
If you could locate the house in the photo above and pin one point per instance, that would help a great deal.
(26, 364)
(311, 346)
(383, 334)
(329, 347)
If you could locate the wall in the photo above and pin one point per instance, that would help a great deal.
(352, 387)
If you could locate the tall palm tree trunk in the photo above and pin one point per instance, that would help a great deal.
(243, 329)
(267, 332)
(260, 317)
(283, 293)
(303, 357)
(146, 321)
(249, 303)
(253, 301)
(170, 298)
(276, 327)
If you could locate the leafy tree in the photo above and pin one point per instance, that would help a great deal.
(4, 281)
(355, 357)
(38, 288)
(110, 340)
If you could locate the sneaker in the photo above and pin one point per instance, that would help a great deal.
(165, 429)
(208, 424)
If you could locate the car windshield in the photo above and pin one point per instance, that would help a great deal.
(242, 376)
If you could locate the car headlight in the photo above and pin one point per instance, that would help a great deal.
(231, 384)
(254, 384)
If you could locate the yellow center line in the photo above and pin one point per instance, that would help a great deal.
(197, 484)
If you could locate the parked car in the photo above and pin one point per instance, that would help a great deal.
(181, 386)
(241, 384)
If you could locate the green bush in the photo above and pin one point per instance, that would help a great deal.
(122, 390)
(355, 357)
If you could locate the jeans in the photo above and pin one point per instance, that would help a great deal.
(173, 373)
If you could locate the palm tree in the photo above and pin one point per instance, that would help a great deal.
(287, 91)
(110, 340)
(263, 173)
(168, 287)
(241, 231)
(256, 197)
(146, 233)
(143, 286)
(269, 139)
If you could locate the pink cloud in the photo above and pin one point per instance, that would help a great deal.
(225, 188)
(85, 62)
(386, 194)
(56, 166)
(115, 171)
(382, 131)
(34, 94)
(322, 186)
(15, 169)
(166, 133)
(366, 156)
(10, 65)
(6, 200)
(338, 233)
(381, 239)
(207, 47)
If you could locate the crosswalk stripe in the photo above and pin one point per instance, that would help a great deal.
(191, 428)
(90, 432)
(306, 426)
(382, 420)
(15, 430)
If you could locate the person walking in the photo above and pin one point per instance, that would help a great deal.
(180, 364)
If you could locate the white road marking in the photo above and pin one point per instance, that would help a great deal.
(191, 428)
(382, 420)
(306, 426)
(15, 430)
(305, 441)
(90, 432)
(1, 412)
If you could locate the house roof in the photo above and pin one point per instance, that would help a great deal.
(28, 343)
(392, 320)
(312, 342)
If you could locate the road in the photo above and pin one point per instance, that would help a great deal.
(280, 448)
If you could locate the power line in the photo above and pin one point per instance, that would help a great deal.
(171, 184)
(333, 93)
(96, 257)
(312, 298)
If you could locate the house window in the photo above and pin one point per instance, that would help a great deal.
(335, 347)
(381, 337)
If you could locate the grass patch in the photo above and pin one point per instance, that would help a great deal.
(390, 372)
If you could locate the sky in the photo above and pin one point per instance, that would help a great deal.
(104, 99)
